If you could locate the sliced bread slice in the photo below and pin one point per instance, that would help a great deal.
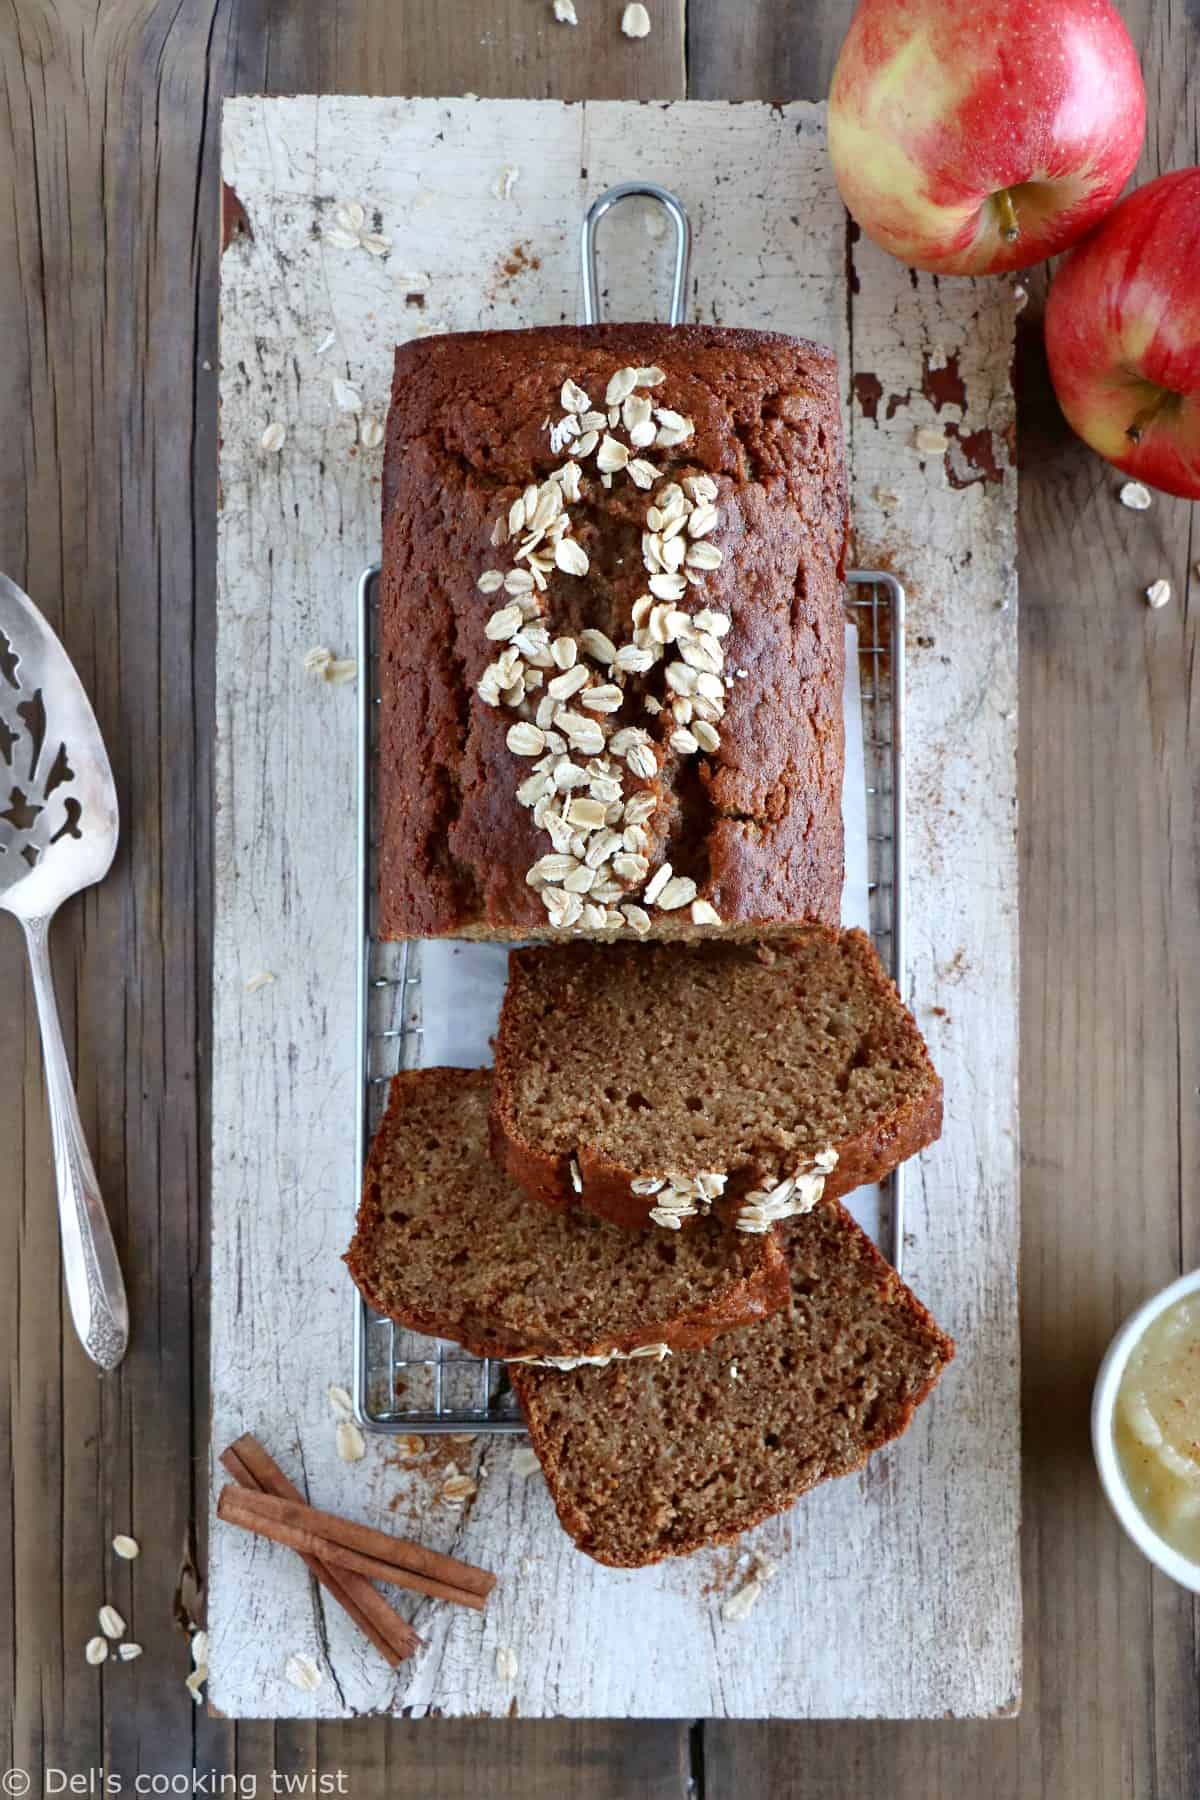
(447, 1245)
(647, 1461)
(645, 1081)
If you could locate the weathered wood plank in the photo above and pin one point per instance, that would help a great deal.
(82, 527)
(291, 298)
(506, 48)
(510, 1759)
(763, 52)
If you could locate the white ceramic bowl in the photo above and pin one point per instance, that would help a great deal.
(1104, 1400)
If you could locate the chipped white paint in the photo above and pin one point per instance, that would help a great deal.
(897, 1591)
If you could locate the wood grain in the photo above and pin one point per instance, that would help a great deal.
(108, 257)
(154, 82)
(1110, 972)
(763, 52)
(83, 470)
(299, 311)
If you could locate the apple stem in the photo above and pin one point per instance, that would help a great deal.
(1142, 421)
(1010, 230)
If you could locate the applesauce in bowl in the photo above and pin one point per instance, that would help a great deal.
(1146, 1428)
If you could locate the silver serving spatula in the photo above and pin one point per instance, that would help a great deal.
(58, 834)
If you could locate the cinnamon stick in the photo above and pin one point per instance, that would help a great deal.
(256, 1473)
(233, 1508)
(400, 1553)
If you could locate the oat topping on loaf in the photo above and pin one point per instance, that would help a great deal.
(599, 846)
(718, 1074)
(447, 1245)
(566, 1363)
(764, 1208)
(678, 1197)
(697, 620)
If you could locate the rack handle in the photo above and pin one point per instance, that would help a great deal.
(676, 212)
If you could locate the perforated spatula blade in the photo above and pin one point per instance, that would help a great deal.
(58, 834)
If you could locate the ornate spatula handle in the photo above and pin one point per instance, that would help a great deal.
(95, 1288)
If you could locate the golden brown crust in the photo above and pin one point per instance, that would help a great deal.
(546, 1175)
(592, 1512)
(757, 824)
(743, 1299)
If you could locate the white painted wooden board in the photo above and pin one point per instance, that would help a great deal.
(897, 1591)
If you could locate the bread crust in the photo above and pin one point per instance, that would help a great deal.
(757, 823)
(743, 1301)
(606, 1189)
(605, 1183)
(534, 1390)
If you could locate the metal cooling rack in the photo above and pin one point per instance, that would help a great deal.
(408, 1383)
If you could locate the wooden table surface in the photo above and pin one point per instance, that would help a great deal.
(108, 254)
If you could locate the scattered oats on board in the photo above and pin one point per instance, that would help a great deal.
(635, 20)
(351, 1444)
(346, 396)
(96, 1650)
(458, 1490)
(1158, 594)
(111, 1622)
(1136, 497)
(564, 12)
(932, 441)
(194, 1683)
(506, 1663)
(525, 1463)
(339, 1399)
(349, 231)
(372, 434)
(273, 437)
(199, 1649)
(261, 980)
(506, 181)
(125, 1547)
(741, 1605)
(410, 1445)
(129, 1652)
(302, 1672)
(336, 670)
(349, 220)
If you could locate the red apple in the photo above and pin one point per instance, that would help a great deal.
(972, 136)
(1123, 335)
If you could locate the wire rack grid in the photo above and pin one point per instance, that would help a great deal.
(405, 1382)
